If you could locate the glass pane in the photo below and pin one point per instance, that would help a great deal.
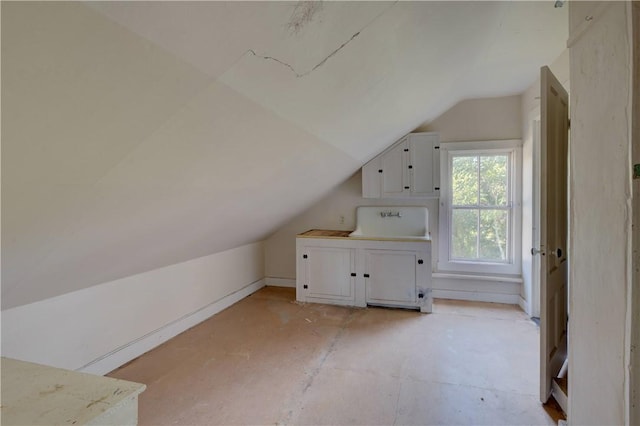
(464, 181)
(493, 180)
(464, 234)
(493, 235)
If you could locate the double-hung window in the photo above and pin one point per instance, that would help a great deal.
(480, 223)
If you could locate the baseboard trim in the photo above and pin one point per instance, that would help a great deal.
(280, 282)
(524, 305)
(476, 277)
(476, 296)
(125, 353)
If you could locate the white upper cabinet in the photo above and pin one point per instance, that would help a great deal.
(409, 168)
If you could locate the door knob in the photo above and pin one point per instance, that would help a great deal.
(534, 252)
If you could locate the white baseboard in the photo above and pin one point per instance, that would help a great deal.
(524, 305)
(134, 349)
(476, 296)
(280, 282)
(477, 277)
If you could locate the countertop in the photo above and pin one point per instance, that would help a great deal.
(325, 233)
(335, 234)
(34, 394)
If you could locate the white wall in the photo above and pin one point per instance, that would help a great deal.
(478, 119)
(600, 212)
(102, 327)
(475, 119)
(120, 158)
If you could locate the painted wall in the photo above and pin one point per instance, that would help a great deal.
(600, 212)
(476, 119)
(120, 158)
(102, 327)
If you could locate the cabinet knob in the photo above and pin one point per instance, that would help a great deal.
(420, 261)
(366, 275)
(379, 170)
(410, 166)
(304, 256)
(406, 187)
(305, 286)
(353, 274)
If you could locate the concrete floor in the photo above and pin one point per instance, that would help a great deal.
(270, 360)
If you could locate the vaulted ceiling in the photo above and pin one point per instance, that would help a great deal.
(141, 134)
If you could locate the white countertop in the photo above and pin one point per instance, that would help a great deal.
(34, 394)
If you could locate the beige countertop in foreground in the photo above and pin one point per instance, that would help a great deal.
(34, 394)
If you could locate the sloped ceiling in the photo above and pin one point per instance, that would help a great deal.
(137, 135)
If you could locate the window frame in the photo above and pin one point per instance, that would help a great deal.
(511, 147)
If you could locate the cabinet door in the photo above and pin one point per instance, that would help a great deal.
(328, 273)
(394, 176)
(372, 178)
(424, 164)
(390, 276)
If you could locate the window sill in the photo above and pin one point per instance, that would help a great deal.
(478, 268)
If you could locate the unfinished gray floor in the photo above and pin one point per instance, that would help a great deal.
(270, 360)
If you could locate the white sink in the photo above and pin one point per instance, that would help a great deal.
(392, 222)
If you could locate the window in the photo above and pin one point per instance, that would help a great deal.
(480, 201)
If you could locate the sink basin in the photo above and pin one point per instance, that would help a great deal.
(392, 222)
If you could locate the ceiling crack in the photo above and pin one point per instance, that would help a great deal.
(318, 65)
(329, 56)
(271, 58)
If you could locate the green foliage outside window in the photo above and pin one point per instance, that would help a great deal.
(480, 207)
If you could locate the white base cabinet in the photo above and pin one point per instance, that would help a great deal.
(361, 272)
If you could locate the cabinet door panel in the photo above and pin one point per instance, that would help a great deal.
(392, 276)
(328, 273)
(372, 178)
(421, 150)
(393, 175)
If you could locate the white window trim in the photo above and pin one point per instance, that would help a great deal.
(447, 150)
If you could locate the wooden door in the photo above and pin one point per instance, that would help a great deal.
(554, 143)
